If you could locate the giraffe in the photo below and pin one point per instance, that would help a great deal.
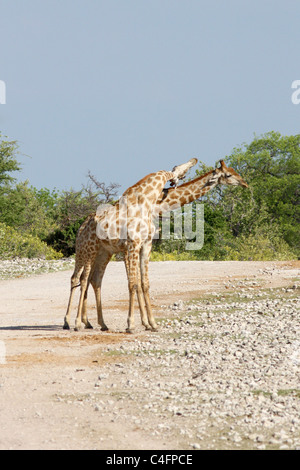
(170, 199)
(123, 226)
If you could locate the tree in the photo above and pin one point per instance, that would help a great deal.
(26, 209)
(271, 166)
(106, 194)
(270, 209)
(8, 161)
(8, 164)
(73, 207)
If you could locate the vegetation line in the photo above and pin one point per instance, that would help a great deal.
(261, 223)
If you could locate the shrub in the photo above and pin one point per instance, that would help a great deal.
(175, 256)
(15, 244)
(259, 247)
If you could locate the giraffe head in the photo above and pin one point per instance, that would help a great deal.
(181, 170)
(225, 175)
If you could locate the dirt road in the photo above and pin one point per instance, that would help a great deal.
(110, 390)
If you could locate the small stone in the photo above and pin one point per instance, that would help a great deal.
(284, 447)
(196, 446)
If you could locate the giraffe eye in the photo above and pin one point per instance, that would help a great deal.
(228, 176)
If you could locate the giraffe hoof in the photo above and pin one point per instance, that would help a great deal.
(88, 326)
(104, 328)
(154, 329)
(66, 326)
(129, 330)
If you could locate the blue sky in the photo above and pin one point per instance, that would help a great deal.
(126, 87)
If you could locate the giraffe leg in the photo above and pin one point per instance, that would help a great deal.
(67, 316)
(101, 262)
(91, 280)
(140, 295)
(144, 262)
(141, 302)
(84, 311)
(83, 290)
(101, 322)
(133, 280)
(74, 284)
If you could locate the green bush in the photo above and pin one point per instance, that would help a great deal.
(259, 247)
(15, 244)
(63, 240)
(174, 256)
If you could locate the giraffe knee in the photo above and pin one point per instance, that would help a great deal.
(133, 286)
(145, 286)
(75, 282)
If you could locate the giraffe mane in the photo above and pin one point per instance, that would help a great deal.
(139, 182)
(187, 183)
(196, 179)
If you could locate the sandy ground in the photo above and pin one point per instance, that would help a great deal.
(43, 367)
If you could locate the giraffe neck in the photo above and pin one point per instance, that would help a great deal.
(148, 190)
(187, 192)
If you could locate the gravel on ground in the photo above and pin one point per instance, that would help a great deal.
(222, 372)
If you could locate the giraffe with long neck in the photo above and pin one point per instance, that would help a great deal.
(170, 199)
(124, 226)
